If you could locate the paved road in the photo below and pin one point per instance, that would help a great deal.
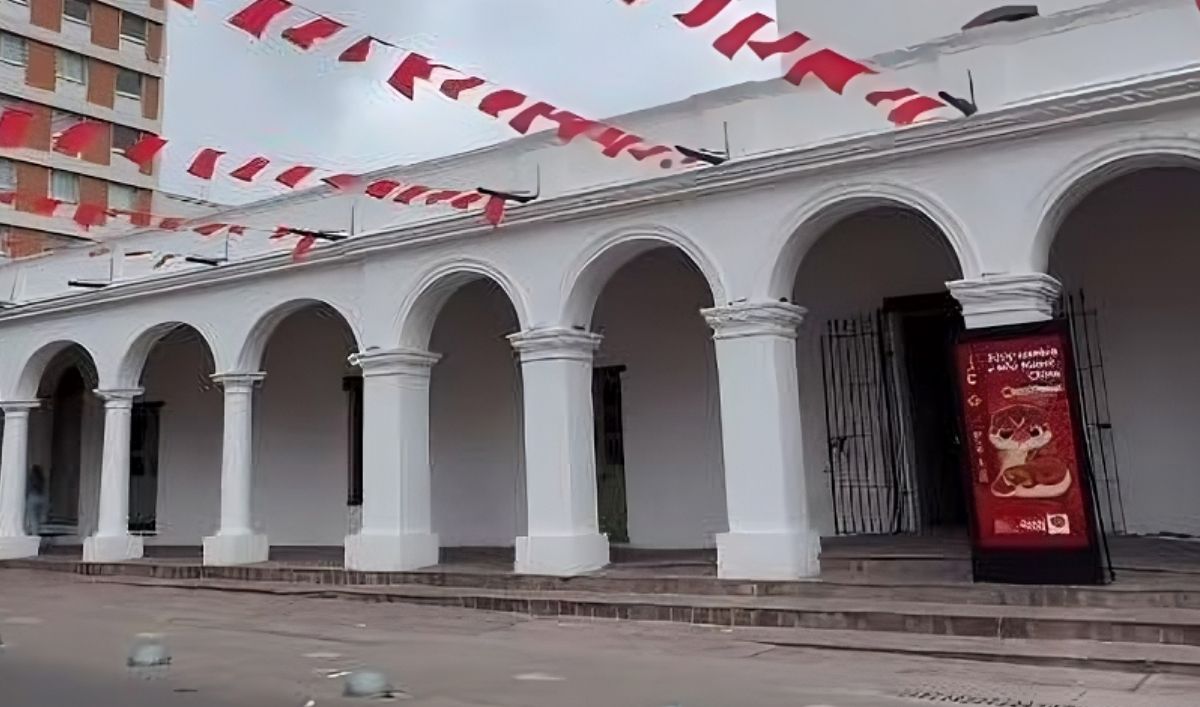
(67, 639)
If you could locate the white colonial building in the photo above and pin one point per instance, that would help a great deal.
(747, 357)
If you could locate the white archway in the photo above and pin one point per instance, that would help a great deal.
(419, 310)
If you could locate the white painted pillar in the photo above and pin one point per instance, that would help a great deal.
(1013, 298)
(771, 535)
(112, 541)
(397, 515)
(235, 542)
(14, 451)
(560, 462)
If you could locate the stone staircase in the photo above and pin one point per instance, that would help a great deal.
(1143, 627)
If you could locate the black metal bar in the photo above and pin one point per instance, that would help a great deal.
(849, 429)
(885, 412)
(1112, 475)
(862, 474)
(870, 439)
(825, 389)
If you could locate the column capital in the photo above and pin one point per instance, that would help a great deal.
(118, 397)
(395, 362)
(238, 382)
(1010, 298)
(19, 407)
(555, 344)
(745, 319)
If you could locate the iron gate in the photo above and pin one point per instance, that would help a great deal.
(871, 495)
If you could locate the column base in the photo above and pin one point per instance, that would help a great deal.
(112, 548)
(768, 556)
(230, 550)
(391, 553)
(562, 556)
(19, 546)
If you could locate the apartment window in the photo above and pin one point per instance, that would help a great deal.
(64, 186)
(8, 175)
(129, 83)
(124, 137)
(13, 49)
(134, 28)
(72, 67)
(121, 197)
(77, 10)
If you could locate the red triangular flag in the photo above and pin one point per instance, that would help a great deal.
(281, 232)
(76, 139)
(407, 196)
(88, 215)
(342, 181)
(189, 4)
(292, 176)
(313, 31)
(411, 68)
(40, 205)
(382, 188)
(358, 52)
(250, 170)
(171, 224)
(254, 18)
(14, 126)
(144, 150)
(494, 211)
(8, 197)
(205, 163)
(210, 229)
(304, 245)
(237, 230)
(465, 201)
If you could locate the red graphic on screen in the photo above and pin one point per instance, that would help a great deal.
(1025, 473)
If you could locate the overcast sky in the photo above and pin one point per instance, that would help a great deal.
(597, 57)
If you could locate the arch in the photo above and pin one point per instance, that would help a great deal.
(133, 360)
(603, 257)
(805, 226)
(1094, 169)
(250, 357)
(420, 309)
(30, 378)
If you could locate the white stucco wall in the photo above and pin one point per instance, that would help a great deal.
(1132, 247)
(649, 315)
(476, 450)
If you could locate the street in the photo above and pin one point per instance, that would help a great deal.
(67, 639)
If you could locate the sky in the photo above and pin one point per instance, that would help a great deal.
(599, 58)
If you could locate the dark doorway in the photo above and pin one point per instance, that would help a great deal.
(66, 445)
(610, 453)
(353, 385)
(143, 468)
(925, 328)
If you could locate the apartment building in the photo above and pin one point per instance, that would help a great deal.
(65, 61)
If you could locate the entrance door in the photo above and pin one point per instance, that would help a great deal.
(66, 446)
(143, 469)
(610, 453)
(927, 327)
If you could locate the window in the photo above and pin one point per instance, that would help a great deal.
(129, 83)
(121, 197)
(134, 28)
(72, 67)
(13, 49)
(77, 10)
(64, 186)
(124, 137)
(8, 175)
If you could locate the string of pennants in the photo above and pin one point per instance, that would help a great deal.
(803, 57)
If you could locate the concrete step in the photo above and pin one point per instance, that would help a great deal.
(1154, 626)
(1157, 593)
(1096, 655)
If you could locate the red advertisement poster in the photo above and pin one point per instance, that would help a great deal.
(1027, 479)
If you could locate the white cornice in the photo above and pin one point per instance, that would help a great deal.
(1119, 101)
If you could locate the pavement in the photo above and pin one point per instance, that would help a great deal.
(67, 639)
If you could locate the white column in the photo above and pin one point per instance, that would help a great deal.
(770, 533)
(112, 541)
(560, 463)
(1013, 298)
(14, 543)
(397, 517)
(235, 542)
